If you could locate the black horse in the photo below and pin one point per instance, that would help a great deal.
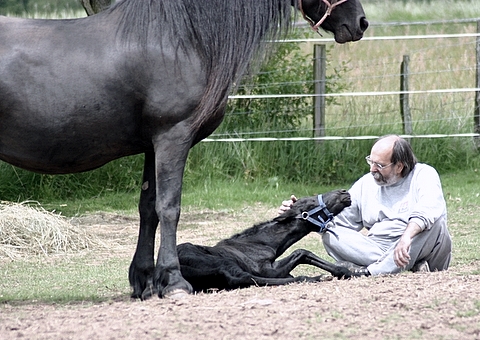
(149, 77)
(250, 257)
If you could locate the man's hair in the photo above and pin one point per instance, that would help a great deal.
(403, 152)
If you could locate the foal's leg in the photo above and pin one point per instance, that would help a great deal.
(141, 268)
(302, 256)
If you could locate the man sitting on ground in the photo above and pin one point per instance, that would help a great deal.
(401, 205)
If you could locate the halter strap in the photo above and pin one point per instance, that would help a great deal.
(319, 221)
(330, 7)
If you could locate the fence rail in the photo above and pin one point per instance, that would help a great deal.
(323, 138)
(405, 90)
(398, 37)
(354, 94)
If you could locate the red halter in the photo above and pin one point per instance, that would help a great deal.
(330, 7)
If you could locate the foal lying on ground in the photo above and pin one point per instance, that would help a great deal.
(249, 258)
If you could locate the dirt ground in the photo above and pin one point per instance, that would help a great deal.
(442, 305)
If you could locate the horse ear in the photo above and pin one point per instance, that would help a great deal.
(302, 204)
(286, 216)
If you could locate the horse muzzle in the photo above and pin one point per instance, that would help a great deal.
(343, 34)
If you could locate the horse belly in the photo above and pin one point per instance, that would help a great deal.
(43, 132)
(70, 105)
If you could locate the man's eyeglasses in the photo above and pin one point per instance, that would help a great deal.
(378, 165)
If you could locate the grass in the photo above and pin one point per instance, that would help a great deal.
(397, 11)
(373, 66)
(63, 280)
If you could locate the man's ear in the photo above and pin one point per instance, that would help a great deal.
(399, 167)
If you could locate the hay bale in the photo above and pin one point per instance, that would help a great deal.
(31, 230)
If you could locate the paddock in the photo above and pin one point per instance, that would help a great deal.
(426, 305)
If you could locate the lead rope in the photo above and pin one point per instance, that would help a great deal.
(329, 10)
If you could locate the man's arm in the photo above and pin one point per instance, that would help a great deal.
(401, 254)
(430, 206)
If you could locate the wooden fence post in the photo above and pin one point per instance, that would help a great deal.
(319, 76)
(476, 113)
(404, 97)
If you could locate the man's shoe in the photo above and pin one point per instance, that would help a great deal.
(356, 270)
(421, 266)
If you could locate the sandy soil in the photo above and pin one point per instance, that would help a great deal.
(442, 305)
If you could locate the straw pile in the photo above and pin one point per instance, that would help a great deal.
(31, 230)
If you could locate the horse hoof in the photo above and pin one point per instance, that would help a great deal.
(323, 278)
(176, 294)
(149, 292)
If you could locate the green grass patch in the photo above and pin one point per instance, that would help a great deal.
(63, 280)
(416, 10)
(462, 192)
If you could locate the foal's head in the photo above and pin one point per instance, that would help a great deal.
(335, 201)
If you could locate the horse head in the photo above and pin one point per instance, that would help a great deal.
(318, 210)
(336, 200)
(344, 18)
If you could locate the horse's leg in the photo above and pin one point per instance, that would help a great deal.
(337, 271)
(231, 276)
(170, 157)
(273, 281)
(302, 256)
(142, 266)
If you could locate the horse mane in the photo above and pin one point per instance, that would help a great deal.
(284, 218)
(251, 231)
(226, 34)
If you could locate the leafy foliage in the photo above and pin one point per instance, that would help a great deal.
(24, 7)
(13, 6)
(289, 70)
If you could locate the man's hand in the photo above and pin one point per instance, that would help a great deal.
(286, 205)
(401, 254)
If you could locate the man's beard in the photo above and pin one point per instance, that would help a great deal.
(382, 181)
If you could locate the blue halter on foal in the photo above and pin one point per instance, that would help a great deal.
(319, 220)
